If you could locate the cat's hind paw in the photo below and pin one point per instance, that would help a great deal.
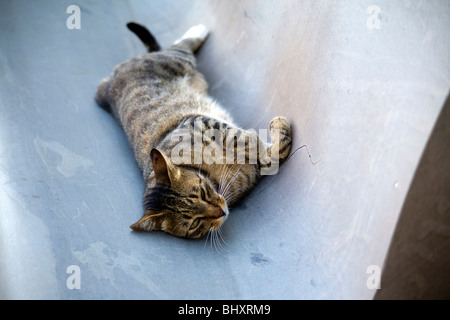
(197, 32)
(195, 36)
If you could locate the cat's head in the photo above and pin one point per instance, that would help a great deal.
(183, 203)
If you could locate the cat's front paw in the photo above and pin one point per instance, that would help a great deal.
(281, 135)
(281, 124)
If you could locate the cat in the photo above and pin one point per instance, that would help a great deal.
(159, 98)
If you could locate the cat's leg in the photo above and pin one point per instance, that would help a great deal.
(102, 95)
(278, 151)
(185, 47)
(193, 38)
(281, 135)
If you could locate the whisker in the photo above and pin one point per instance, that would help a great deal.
(218, 246)
(235, 194)
(230, 171)
(218, 240)
(213, 246)
(229, 184)
(213, 241)
(223, 178)
(206, 240)
(219, 231)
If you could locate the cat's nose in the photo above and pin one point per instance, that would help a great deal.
(223, 212)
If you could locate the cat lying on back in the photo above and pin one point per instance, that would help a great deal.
(159, 99)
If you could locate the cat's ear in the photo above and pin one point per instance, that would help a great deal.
(147, 223)
(160, 167)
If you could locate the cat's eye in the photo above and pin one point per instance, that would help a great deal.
(203, 194)
(195, 224)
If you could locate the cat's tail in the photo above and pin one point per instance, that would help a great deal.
(145, 36)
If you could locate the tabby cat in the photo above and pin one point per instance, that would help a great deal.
(161, 101)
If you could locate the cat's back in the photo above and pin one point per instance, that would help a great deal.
(150, 95)
(152, 71)
(166, 80)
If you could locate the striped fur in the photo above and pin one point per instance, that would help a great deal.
(156, 96)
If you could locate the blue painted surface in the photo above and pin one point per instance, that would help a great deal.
(363, 100)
